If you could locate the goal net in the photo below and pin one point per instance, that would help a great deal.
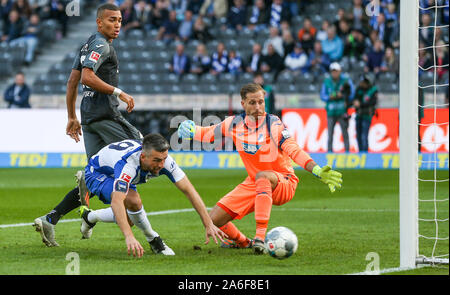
(424, 180)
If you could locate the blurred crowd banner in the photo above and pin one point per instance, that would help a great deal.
(37, 138)
(229, 160)
(309, 128)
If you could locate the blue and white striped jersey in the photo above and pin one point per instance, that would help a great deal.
(120, 160)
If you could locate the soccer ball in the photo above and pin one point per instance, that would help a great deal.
(281, 242)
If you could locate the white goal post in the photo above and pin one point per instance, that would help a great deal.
(408, 139)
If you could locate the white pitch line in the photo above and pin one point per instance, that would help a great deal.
(386, 270)
(275, 208)
(78, 219)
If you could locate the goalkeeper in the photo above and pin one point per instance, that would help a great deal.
(265, 148)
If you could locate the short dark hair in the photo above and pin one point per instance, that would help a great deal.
(155, 141)
(106, 6)
(250, 88)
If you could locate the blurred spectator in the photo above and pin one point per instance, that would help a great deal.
(366, 96)
(169, 30)
(322, 34)
(185, 29)
(237, 15)
(425, 61)
(159, 14)
(386, 32)
(14, 28)
(254, 60)
(258, 16)
(445, 18)
(337, 92)
(23, 8)
(180, 6)
(142, 15)
(216, 10)
(55, 9)
(278, 13)
(5, 9)
(426, 32)
(200, 31)
(318, 61)
(370, 40)
(180, 62)
(297, 61)
(129, 20)
(235, 65)
(272, 62)
(30, 38)
(344, 29)
(375, 58)
(201, 61)
(288, 42)
(391, 63)
(275, 40)
(354, 44)
(333, 45)
(194, 6)
(269, 98)
(17, 95)
(340, 16)
(441, 62)
(306, 35)
(219, 60)
(359, 16)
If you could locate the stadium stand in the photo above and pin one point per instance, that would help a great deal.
(144, 60)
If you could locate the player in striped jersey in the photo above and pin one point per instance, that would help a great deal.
(113, 173)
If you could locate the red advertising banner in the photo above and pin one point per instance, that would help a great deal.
(309, 128)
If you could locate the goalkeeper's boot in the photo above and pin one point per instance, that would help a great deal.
(86, 226)
(159, 247)
(228, 243)
(258, 246)
(82, 188)
(47, 231)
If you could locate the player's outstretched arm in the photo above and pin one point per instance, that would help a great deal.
(91, 80)
(118, 207)
(73, 128)
(211, 230)
(328, 176)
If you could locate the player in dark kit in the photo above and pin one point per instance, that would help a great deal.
(97, 66)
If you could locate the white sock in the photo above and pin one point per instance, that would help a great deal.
(140, 219)
(104, 215)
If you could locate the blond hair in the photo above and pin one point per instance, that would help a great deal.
(251, 88)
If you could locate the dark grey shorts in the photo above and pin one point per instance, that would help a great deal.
(99, 134)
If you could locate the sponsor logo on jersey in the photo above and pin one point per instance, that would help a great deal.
(94, 56)
(125, 177)
(250, 148)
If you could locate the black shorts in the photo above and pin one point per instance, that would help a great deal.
(99, 134)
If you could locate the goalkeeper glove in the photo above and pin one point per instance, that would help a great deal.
(186, 130)
(330, 177)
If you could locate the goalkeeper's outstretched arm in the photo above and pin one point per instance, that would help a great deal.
(328, 176)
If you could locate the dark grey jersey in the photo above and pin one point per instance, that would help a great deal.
(100, 56)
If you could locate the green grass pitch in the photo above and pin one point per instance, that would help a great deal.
(336, 231)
